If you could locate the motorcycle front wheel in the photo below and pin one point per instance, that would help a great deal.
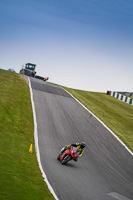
(58, 157)
(66, 159)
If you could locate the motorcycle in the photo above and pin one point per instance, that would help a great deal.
(71, 153)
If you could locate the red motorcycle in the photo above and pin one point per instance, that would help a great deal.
(71, 153)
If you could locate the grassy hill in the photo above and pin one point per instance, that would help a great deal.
(20, 177)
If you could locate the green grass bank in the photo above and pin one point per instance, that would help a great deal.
(20, 176)
(117, 115)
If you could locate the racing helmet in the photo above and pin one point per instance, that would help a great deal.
(82, 144)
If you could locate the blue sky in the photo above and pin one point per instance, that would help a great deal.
(82, 44)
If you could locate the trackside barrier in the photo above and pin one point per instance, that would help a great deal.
(121, 97)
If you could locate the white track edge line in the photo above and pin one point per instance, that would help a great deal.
(101, 123)
(36, 144)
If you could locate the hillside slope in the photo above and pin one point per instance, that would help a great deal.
(20, 176)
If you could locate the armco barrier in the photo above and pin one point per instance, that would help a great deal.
(121, 97)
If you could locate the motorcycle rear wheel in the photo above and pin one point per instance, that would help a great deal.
(66, 159)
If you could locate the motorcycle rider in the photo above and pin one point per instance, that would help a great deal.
(80, 146)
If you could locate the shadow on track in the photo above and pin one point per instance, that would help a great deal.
(69, 164)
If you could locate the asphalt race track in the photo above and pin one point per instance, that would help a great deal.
(104, 172)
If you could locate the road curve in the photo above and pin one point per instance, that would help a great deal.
(104, 172)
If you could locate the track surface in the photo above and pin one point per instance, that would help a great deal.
(104, 172)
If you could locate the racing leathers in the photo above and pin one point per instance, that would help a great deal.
(78, 145)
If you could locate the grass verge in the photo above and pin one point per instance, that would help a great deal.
(117, 115)
(20, 176)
